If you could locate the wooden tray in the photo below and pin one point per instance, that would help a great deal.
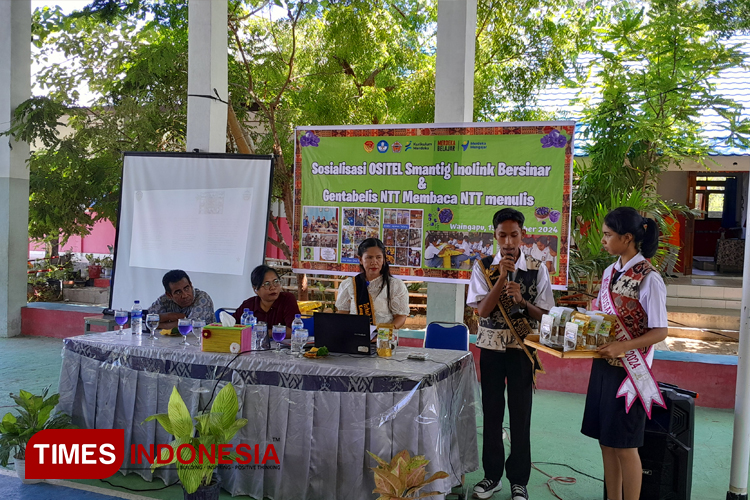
(533, 341)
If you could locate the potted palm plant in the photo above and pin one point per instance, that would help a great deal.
(213, 428)
(33, 414)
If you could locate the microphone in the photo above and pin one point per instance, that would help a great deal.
(514, 311)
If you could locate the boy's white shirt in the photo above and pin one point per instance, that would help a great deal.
(540, 255)
(478, 287)
(431, 252)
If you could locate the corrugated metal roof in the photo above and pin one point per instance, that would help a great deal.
(732, 83)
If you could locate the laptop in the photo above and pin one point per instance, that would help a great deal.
(343, 333)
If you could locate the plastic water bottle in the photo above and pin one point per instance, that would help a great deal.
(246, 320)
(297, 342)
(136, 318)
(297, 323)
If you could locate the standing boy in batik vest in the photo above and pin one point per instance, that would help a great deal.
(499, 285)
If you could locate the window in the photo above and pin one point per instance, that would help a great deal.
(709, 196)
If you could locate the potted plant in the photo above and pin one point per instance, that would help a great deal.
(212, 428)
(107, 263)
(403, 477)
(95, 266)
(34, 413)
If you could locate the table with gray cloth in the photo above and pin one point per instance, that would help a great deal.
(321, 415)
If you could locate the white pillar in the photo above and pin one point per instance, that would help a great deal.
(454, 103)
(15, 87)
(207, 70)
(741, 436)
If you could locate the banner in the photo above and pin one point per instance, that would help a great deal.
(429, 192)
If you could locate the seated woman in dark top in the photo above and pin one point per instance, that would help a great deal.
(271, 304)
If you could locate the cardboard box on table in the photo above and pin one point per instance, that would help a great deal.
(217, 338)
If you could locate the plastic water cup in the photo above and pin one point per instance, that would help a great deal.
(299, 339)
(260, 332)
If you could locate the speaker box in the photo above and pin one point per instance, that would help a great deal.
(667, 451)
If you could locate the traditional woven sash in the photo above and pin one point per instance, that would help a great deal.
(362, 298)
(518, 327)
(640, 381)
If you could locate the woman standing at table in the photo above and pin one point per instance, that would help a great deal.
(622, 392)
(374, 292)
(271, 303)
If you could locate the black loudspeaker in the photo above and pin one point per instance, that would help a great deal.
(667, 451)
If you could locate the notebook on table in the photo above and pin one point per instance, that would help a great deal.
(343, 333)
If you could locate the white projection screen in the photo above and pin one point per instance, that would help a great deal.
(206, 214)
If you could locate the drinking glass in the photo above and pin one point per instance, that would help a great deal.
(299, 339)
(198, 325)
(184, 326)
(260, 332)
(121, 317)
(152, 323)
(279, 334)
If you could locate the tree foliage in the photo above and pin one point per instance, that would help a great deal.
(138, 70)
(652, 71)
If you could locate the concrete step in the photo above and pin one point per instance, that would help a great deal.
(709, 324)
(720, 293)
(87, 295)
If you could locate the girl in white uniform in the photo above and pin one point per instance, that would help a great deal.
(621, 393)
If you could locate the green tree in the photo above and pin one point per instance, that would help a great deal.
(138, 69)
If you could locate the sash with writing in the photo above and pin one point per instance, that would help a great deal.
(640, 380)
(362, 298)
(518, 327)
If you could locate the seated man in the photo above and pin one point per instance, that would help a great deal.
(181, 300)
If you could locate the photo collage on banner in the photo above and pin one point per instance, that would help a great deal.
(358, 225)
(402, 236)
(320, 230)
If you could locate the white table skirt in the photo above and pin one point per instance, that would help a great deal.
(321, 415)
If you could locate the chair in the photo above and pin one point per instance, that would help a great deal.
(228, 310)
(446, 335)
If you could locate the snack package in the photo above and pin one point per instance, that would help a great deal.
(561, 316)
(593, 331)
(565, 313)
(545, 329)
(555, 337)
(606, 330)
(571, 336)
(385, 335)
(582, 321)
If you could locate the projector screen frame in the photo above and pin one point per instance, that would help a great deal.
(176, 154)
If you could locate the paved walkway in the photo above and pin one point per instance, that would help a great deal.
(31, 363)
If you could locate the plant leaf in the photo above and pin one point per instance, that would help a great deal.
(179, 416)
(226, 404)
(163, 419)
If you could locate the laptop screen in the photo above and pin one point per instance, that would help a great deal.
(342, 333)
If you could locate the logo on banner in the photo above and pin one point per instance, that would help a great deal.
(382, 146)
(446, 145)
(465, 145)
(75, 453)
(369, 146)
(396, 147)
(408, 146)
